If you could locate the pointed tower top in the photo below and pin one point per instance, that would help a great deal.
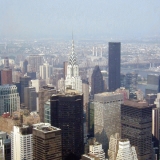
(72, 57)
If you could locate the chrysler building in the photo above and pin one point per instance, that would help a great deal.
(73, 80)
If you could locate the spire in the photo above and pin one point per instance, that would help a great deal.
(72, 57)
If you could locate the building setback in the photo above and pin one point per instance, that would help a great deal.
(136, 125)
(47, 143)
(67, 114)
(114, 60)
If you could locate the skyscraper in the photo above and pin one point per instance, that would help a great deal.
(153, 84)
(43, 96)
(24, 82)
(114, 60)
(97, 84)
(34, 61)
(21, 143)
(73, 79)
(45, 71)
(6, 76)
(120, 149)
(47, 143)
(30, 96)
(9, 99)
(107, 107)
(136, 125)
(67, 114)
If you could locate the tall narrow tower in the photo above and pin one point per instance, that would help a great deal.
(73, 79)
(114, 65)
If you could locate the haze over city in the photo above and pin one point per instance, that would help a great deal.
(88, 19)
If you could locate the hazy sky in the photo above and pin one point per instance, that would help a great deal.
(87, 18)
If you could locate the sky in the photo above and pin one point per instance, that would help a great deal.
(88, 19)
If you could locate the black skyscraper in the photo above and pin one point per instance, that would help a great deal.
(97, 83)
(114, 65)
(67, 114)
(136, 125)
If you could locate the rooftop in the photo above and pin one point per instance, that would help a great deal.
(45, 127)
(137, 104)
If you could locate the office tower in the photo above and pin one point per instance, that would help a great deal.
(30, 96)
(34, 61)
(45, 71)
(6, 76)
(43, 95)
(136, 125)
(9, 99)
(73, 79)
(24, 82)
(24, 66)
(114, 60)
(153, 84)
(67, 114)
(106, 116)
(120, 149)
(131, 81)
(97, 84)
(21, 143)
(47, 143)
(65, 64)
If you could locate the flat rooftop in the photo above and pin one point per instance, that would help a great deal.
(45, 127)
(137, 104)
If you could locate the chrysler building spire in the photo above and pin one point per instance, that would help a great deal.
(72, 57)
(73, 79)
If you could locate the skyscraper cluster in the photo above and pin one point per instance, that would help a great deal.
(73, 114)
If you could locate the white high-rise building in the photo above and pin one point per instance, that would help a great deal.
(21, 143)
(45, 71)
(120, 149)
(125, 151)
(9, 99)
(73, 79)
(96, 151)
